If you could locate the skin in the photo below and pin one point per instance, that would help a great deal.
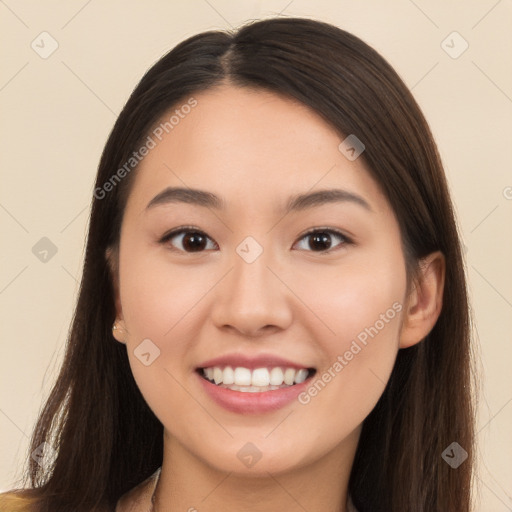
(255, 149)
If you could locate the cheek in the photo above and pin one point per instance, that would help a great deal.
(158, 298)
(154, 306)
(164, 303)
(360, 306)
(352, 296)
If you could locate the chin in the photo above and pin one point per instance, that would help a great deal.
(247, 459)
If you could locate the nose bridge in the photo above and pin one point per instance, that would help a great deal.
(252, 297)
(251, 276)
(251, 268)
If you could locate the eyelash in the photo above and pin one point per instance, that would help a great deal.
(191, 229)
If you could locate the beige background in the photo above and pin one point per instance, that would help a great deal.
(57, 113)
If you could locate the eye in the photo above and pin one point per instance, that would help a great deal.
(195, 240)
(191, 239)
(320, 239)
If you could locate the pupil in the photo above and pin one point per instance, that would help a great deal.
(194, 241)
(320, 241)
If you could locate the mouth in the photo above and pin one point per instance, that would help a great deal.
(257, 380)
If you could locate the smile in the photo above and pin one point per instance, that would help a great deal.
(257, 391)
(257, 380)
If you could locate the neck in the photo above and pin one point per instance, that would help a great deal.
(187, 483)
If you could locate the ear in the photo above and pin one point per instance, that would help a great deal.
(111, 256)
(425, 300)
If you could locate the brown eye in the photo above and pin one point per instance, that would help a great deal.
(190, 240)
(320, 240)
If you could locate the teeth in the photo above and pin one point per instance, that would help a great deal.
(260, 377)
(257, 380)
(217, 375)
(228, 376)
(276, 376)
(301, 376)
(242, 377)
(289, 375)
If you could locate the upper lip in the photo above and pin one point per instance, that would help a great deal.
(251, 362)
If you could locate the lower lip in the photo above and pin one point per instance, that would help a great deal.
(252, 403)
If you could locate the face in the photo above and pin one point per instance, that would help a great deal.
(319, 285)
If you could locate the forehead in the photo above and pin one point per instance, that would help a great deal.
(247, 145)
(234, 121)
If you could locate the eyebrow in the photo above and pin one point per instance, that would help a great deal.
(295, 203)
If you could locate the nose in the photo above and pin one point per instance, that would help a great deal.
(252, 299)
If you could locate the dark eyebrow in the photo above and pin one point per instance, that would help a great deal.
(295, 203)
(187, 195)
(333, 195)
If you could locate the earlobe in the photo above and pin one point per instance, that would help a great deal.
(118, 329)
(425, 301)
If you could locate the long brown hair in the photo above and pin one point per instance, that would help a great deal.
(107, 439)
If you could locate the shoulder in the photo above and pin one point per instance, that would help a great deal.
(137, 499)
(16, 501)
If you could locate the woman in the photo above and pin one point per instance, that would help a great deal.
(273, 310)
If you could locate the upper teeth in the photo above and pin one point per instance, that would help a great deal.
(258, 377)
